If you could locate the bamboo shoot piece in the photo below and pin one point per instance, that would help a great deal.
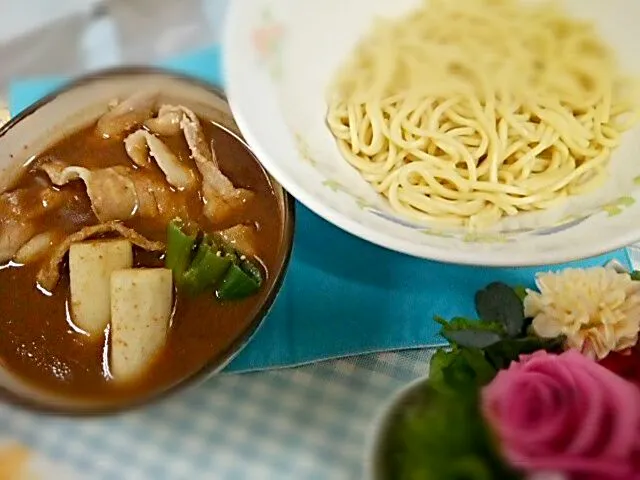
(90, 266)
(141, 307)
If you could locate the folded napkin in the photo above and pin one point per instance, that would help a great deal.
(343, 296)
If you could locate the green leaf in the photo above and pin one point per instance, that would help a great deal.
(459, 368)
(458, 374)
(635, 275)
(498, 302)
(472, 338)
(521, 292)
(470, 333)
(501, 354)
(484, 371)
(438, 319)
(439, 361)
(462, 323)
(468, 367)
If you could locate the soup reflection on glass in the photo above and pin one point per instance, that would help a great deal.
(132, 250)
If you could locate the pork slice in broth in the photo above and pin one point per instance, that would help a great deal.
(19, 212)
(220, 202)
(241, 237)
(120, 193)
(141, 143)
(13, 235)
(37, 247)
(112, 193)
(156, 200)
(221, 198)
(130, 113)
(49, 274)
(167, 122)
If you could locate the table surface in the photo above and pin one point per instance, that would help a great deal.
(309, 422)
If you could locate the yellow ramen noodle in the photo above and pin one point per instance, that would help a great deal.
(465, 111)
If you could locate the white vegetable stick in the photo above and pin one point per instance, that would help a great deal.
(141, 306)
(90, 267)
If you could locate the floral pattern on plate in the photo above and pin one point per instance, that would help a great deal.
(267, 39)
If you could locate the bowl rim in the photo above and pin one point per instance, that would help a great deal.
(379, 427)
(232, 63)
(223, 358)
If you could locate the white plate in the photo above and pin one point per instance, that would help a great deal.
(279, 57)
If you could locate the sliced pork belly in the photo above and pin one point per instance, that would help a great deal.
(119, 193)
(49, 274)
(141, 143)
(221, 198)
(128, 114)
(19, 212)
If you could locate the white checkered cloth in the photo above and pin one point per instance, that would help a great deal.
(307, 423)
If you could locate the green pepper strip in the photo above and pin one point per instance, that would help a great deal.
(253, 271)
(207, 268)
(179, 249)
(240, 281)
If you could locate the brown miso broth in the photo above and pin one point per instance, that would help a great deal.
(38, 339)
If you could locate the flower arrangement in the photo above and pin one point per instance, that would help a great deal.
(545, 385)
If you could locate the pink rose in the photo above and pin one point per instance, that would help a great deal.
(566, 413)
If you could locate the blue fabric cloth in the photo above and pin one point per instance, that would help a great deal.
(342, 296)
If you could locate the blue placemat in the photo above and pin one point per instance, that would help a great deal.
(342, 296)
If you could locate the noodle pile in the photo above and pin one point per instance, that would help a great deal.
(466, 111)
